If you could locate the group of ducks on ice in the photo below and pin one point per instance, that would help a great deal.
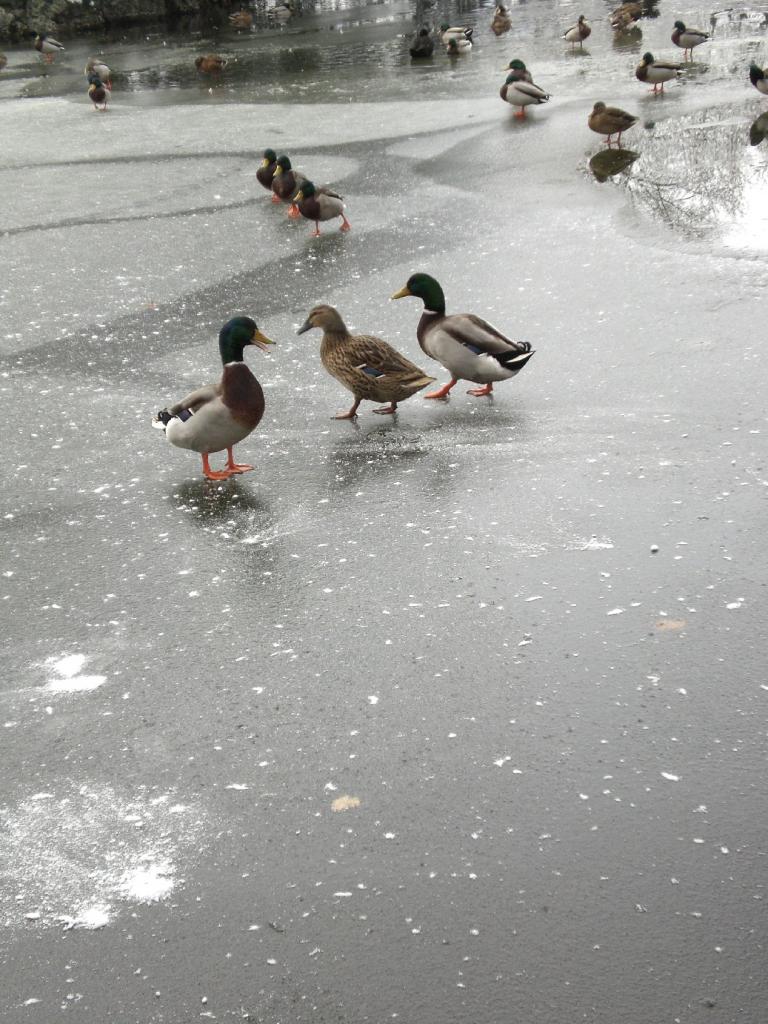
(520, 91)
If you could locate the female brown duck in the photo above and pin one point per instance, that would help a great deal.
(367, 366)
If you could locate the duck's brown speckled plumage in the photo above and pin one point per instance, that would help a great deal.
(347, 357)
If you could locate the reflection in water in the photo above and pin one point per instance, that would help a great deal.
(374, 456)
(611, 161)
(230, 504)
(758, 130)
(698, 176)
(629, 39)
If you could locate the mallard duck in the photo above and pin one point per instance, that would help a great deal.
(578, 33)
(210, 64)
(266, 170)
(367, 366)
(501, 21)
(454, 32)
(759, 78)
(3, 61)
(456, 46)
(95, 66)
(687, 38)
(518, 71)
(48, 47)
(422, 44)
(610, 121)
(626, 16)
(241, 20)
(219, 416)
(98, 93)
(320, 204)
(285, 182)
(519, 93)
(466, 345)
(656, 72)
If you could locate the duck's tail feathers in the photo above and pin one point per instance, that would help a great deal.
(515, 361)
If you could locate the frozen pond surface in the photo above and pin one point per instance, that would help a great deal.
(454, 719)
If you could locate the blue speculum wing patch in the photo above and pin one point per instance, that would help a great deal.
(371, 371)
(473, 348)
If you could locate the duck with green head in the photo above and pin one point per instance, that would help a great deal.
(518, 72)
(318, 204)
(98, 93)
(47, 46)
(285, 182)
(521, 94)
(467, 346)
(656, 72)
(217, 417)
(687, 38)
(266, 170)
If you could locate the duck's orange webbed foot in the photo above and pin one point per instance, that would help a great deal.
(213, 474)
(345, 225)
(236, 467)
(276, 199)
(443, 391)
(387, 410)
(487, 389)
(293, 211)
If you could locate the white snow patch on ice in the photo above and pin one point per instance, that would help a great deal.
(65, 675)
(73, 856)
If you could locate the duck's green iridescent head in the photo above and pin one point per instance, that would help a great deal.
(268, 157)
(425, 288)
(647, 58)
(679, 25)
(444, 27)
(307, 189)
(453, 45)
(517, 65)
(236, 334)
(283, 164)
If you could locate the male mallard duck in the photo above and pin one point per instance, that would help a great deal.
(367, 366)
(210, 64)
(454, 32)
(219, 416)
(656, 72)
(687, 38)
(456, 46)
(98, 93)
(285, 182)
(422, 44)
(610, 121)
(320, 204)
(266, 170)
(626, 16)
(501, 21)
(47, 46)
(241, 20)
(759, 78)
(95, 66)
(578, 33)
(518, 71)
(466, 345)
(520, 93)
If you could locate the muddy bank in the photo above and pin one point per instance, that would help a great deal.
(19, 18)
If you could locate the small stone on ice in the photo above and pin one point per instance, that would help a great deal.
(654, 548)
